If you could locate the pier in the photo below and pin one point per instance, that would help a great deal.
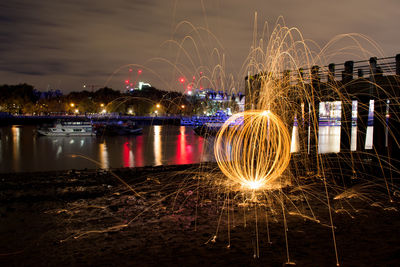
(361, 97)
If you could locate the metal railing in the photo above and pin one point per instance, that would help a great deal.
(355, 69)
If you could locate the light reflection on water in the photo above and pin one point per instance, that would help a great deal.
(103, 156)
(157, 144)
(329, 139)
(16, 132)
(22, 151)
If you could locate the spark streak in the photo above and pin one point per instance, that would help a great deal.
(254, 153)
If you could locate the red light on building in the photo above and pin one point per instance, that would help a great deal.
(181, 80)
(139, 71)
(130, 70)
(127, 81)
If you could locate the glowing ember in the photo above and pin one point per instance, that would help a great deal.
(253, 185)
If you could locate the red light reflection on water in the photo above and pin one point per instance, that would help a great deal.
(188, 149)
(132, 154)
(128, 158)
(184, 152)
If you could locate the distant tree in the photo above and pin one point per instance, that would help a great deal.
(87, 105)
(24, 98)
(106, 95)
(30, 108)
(56, 105)
(14, 97)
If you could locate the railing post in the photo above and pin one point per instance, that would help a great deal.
(394, 131)
(362, 121)
(346, 123)
(286, 78)
(315, 75)
(379, 136)
(373, 65)
(347, 74)
(300, 77)
(331, 73)
(360, 73)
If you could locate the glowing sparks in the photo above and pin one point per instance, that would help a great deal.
(265, 113)
(254, 185)
(254, 153)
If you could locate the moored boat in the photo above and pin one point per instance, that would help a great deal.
(67, 128)
(118, 128)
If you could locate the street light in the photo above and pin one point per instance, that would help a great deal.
(101, 105)
(158, 105)
(183, 106)
(72, 105)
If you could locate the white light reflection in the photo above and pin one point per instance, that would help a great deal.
(330, 114)
(104, 164)
(157, 145)
(295, 142)
(59, 151)
(16, 133)
(370, 126)
(131, 159)
(354, 114)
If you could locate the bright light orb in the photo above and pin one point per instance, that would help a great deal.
(255, 152)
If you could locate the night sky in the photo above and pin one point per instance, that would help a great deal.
(54, 44)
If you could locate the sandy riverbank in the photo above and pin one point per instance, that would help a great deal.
(89, 218)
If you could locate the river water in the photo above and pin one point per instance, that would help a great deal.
(22, 151)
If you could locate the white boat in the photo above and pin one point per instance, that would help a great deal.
(68, 128)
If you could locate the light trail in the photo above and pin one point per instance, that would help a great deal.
(254, 153)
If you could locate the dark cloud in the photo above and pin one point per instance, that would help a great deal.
(68, 43)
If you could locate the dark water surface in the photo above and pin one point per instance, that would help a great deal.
(22, 151)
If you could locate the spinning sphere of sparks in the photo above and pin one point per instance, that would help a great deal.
(254, 153)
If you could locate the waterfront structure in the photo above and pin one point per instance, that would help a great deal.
(218, 100)
(140, 86)
(360, 98)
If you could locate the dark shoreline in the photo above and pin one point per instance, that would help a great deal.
(53, 185)
(46, 219)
